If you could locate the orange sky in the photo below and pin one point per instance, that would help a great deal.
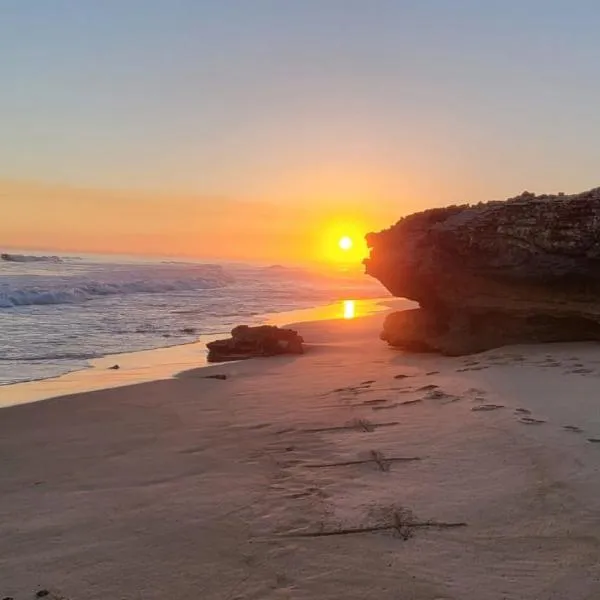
(262, 134)
(62, 218)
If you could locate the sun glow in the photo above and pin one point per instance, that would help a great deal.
(345, 243)
(342, 242)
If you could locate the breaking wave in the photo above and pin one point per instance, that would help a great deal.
(75, 290)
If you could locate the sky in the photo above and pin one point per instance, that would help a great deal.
(265, 129)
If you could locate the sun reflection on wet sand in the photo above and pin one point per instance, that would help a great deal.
(163, 363)
(349, 309)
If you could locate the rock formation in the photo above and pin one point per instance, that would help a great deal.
(249, 342)
(523, 270)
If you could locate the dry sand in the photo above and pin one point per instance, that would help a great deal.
(194, 488)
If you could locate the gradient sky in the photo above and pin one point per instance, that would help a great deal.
(246, 128)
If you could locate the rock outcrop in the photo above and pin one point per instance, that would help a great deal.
(249, 342)
(524, 270)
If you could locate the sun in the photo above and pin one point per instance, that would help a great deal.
(345, 243)
(342, 242)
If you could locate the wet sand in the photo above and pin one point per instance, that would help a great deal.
(164, 363)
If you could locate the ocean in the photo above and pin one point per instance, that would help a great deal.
(58, 313)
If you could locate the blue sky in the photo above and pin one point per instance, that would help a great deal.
(416, 101)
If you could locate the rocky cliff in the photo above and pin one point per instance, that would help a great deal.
(523, 270)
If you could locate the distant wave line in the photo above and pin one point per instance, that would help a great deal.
(29, 258)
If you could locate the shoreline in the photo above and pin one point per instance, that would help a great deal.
(336, 474)
(166, 362)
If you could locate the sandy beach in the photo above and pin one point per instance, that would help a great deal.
(354, 471)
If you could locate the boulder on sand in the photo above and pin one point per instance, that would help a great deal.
(249, 342)
(526, 270)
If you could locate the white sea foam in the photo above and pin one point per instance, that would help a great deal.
(55, 289)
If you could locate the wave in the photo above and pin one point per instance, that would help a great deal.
(53, 356)
(37, 291)
(29, 258)
(94, 290)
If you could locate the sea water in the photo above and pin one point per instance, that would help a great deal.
(57, 313)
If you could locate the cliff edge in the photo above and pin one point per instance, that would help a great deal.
(524, 270)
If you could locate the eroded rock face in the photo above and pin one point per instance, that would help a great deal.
(249, 342)
(523, 270)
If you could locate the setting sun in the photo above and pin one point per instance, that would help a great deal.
(341, 241)
(345, 243)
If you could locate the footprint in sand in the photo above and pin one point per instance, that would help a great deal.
(437, 395)
(427, 388)
(386, 407)
(352, 389)
(443, 396)
(374, 404)
(308, 492)
(573, 428)
(475, 391)
(531, 421)
(408, 402)
(396, 404)
(486, 407)
(552, 364)
(375, 401)
(363, 425)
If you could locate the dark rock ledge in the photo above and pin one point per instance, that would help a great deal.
(249, 342)
(526, 270)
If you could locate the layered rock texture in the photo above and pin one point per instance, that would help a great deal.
(525, 270)
(249, 342)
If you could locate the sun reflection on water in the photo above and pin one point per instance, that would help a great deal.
(349, 309)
